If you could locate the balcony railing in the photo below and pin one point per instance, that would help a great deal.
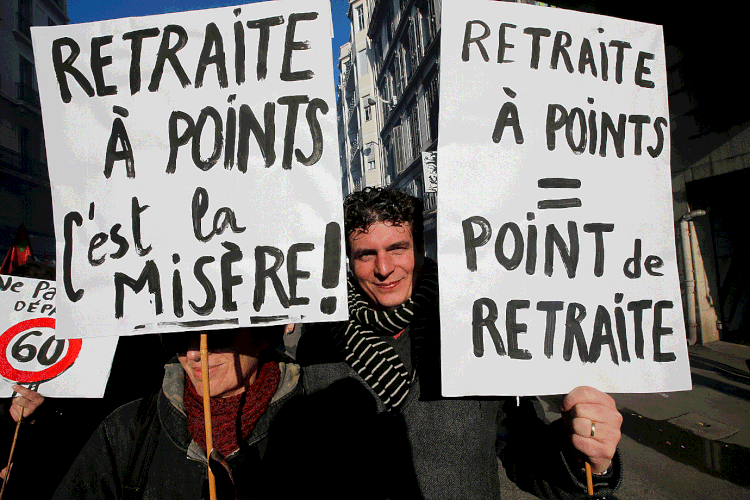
(13, 160)
(28, 95)
(356, 146)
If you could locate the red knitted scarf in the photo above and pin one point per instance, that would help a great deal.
(232, 418)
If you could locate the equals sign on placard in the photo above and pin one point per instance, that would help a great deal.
(559, 183)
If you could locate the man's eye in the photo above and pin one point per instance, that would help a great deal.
(366, 258)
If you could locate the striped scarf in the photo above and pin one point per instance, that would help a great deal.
(364, 349)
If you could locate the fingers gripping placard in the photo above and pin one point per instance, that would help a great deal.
(195, 169)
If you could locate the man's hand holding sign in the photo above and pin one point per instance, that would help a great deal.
(594, 423)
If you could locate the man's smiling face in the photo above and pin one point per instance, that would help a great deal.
(382, 258)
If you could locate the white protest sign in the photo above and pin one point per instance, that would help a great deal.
(556, 227)
(32, 356)
(194, 165)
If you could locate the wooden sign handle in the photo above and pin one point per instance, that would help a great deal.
(10, 457)
(207, 413)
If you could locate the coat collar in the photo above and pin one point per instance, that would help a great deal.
(173, 417)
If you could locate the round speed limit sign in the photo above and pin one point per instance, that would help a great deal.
(29, 351)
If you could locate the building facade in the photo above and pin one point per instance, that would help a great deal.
(357, 101)
(25, 196)
(405, 36)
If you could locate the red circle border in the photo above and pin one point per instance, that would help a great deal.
(21, 376)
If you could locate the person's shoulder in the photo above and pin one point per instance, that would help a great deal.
(321, 375)
(317, 344)
(123, 420)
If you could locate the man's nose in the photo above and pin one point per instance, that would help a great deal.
(194, 354)
(383, 265)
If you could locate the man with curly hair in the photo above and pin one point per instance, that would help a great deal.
(392, 342)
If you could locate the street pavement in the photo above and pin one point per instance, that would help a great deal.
(684, 445)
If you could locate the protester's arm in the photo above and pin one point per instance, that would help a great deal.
(27, 399)
(541, 457)
(96, 472)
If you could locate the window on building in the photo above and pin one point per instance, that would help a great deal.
(368, 111)
(24, 142)
(398, 84)
(24, 17)
(416, 146)
(360, 18)
(408, 56)
(362, 63)
(399, 160)
(431, 103)
(26, 92)
(371, 165)
(427, 14)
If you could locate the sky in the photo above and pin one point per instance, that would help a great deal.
(84, 11)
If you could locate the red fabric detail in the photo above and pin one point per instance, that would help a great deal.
(19, 252)
(232, 418)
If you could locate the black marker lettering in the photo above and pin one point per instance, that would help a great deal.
(468, 39)
(294, 274)
(569, 257)
(70, 219)
(229, 280)
(212, 42)
(265, 139)
(573, 332)
(598, 229)
(536, 35)
(98, 62)
(472, 241)
(515, 260)
(150, 275)
(551, 308)
(208, 288)
(479, 321)
(602, 322)
(167, 53)
(136, 47)
(63, 67)
(638, 307)
(262, 273)
(264, 25)
(502, 45)
(514, 328)
(175, 139)
(641, 69)
(206, 165)
(315, 132)
(659, 331)
(287, 75)
(293, 102)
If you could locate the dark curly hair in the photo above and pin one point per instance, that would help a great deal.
(364, 208)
